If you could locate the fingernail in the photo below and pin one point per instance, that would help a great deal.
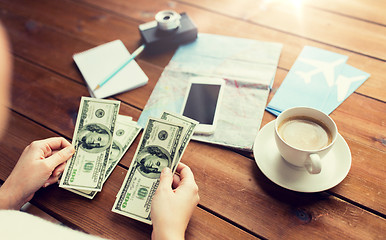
(46, 185)
(70, 149)
(166, 170)
(58, 174)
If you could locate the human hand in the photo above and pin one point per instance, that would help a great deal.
(171, 209)
(40, 165)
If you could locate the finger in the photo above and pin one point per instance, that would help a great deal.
(47, 146)
(57, 143)
(51, 180)
(176, 181)
(166, 179)
(186, 173)
(60, 157)
(187, 182)
(180, 166)
(59, 169)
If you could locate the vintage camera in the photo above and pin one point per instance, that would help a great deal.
(169, 30)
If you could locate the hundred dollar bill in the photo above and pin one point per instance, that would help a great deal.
(125, 133)
(158, 149)
(189, 125)
(92, 140)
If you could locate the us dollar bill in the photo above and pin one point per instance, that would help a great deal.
(189, 126)
(125, 133)
(158, 149)
(92, 140)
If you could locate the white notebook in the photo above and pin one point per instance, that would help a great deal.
(98, 63)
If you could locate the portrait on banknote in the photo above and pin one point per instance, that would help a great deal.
(116, 150)
(94, 138)
(152, 160)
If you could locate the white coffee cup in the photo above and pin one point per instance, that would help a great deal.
(301, 134)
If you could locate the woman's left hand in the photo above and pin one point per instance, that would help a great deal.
(40, 165)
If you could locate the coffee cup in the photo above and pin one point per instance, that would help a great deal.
(304, 136)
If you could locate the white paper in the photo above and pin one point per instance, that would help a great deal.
(98, 63)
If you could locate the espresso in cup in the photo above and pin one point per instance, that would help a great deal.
(305, 133)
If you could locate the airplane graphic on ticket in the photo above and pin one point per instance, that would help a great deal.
(320, 79)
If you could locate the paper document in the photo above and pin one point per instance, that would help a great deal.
(320, 79)
(248, 68)
(98, 63)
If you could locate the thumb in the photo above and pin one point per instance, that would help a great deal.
(166, 179)
(60, 157)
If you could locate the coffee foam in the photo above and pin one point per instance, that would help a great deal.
(304, 134)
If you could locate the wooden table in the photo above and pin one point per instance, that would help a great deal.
(237, 200)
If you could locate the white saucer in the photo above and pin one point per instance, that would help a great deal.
(335, 165)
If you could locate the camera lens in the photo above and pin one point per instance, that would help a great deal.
(167, 20)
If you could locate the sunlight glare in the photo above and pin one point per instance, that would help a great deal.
(297, 3)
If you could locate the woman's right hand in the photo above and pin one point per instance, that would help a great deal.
(171, 209)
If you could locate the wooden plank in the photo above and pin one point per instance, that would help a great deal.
(33, 210)
(95, 216)
(43, 80)
(18, 134)
(52, 100)
(365, 10)
(217, 162)
(134, 95)
(370, 133)
(298, 207)
(90, 24)
(87, 23)
(307, 22)
(207, 187)
(364, 183)
(94, 32)
(31, 81)
(31, 42)
(22, 132)
(219, 24)
(257, 202)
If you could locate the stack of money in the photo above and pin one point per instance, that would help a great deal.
(101, 138)
(162, 145)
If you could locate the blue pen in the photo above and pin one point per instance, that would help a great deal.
(134, 55)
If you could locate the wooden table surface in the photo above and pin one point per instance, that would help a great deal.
(237, 200)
